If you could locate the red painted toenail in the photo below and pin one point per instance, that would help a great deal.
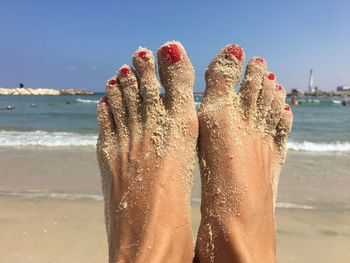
(104, 99)
(124, 71)
(271, 76)
(279, 88)
(142, 54)
(236, 51)
(260, 60)
(171, 52)
(112, 82)
(287, 107)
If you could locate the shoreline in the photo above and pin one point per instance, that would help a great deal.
(36, 195)
(317, 180)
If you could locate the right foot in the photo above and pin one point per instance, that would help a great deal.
(241, 150)
(146, 152)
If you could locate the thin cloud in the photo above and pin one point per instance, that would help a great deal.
(69, 68)
(93, 67)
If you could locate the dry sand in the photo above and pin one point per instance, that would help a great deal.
(46, 231)
(51, 230)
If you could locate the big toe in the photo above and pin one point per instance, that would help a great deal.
(177, 76)
(223, 73)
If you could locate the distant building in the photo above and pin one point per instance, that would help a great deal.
(311, 82)
(343, 88)
(297, 92)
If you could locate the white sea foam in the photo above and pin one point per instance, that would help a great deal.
(94, 197)
(336, 101)
(49, 195)
(292, 205)
(57, 139)
(44, 138)
(86, 101)
(319, 147)
(278, 205)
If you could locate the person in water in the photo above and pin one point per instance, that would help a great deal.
(146, 152)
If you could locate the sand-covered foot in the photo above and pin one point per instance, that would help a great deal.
(146, 150)
(242, 138)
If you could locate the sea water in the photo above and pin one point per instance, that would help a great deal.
(316, 168)
(320, 125)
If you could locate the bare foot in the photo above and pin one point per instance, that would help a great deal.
(146, 151)
(241, 149)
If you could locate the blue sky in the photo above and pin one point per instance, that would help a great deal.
(79, 44)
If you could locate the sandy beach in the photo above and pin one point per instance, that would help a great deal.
(73, 231)
(54, 212)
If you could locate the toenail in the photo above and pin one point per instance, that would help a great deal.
(279, 88)
(171, 53)
(271, 76)
(236, 51)
(287, 107)
(104, 99)
(124, 71)
(260, 60)
(112, 82)
(142, 54)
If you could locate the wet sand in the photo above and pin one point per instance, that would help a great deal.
(320, 180)
(51, 230)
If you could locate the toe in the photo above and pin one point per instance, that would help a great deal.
(117, 106)
(265, 96)
(223, 73)
(177, 76)
(284, 126)
(277, 108)
(130, 91)
(144, 64)
(252, 84)
(105, 121)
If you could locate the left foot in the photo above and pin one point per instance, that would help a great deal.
(241, 151)
(146, 150)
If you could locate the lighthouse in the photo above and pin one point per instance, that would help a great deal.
(311, 82)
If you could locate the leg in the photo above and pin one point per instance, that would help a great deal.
(241, 150)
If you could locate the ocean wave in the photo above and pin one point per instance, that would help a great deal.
(336, 101)
(318, 147)
(293, 205)
(278, 204)
(310, 101)
(86, 101)
(50, 195)
(94, 197)
(57, 139)
(44, 138)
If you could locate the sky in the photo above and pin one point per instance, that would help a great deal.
(79, 44)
